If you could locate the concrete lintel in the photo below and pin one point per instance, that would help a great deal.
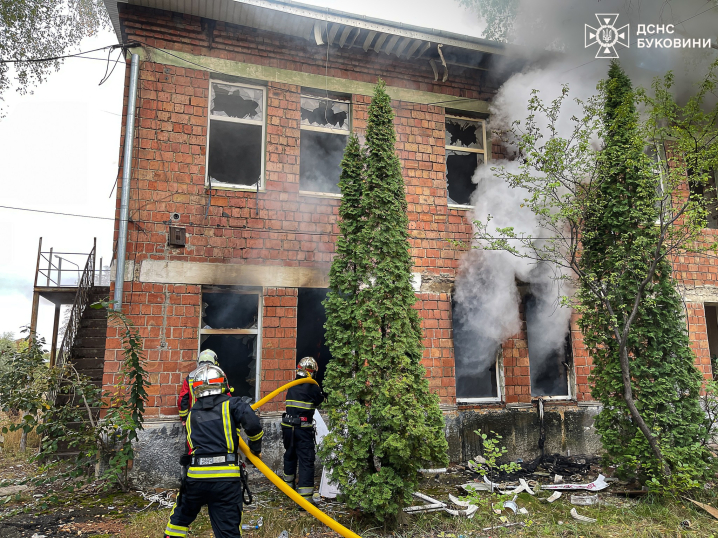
(286, 76)
(129, 270)
(699, 294)
(176, 272)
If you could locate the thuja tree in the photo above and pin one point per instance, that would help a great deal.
(385, 422)
(613, 217)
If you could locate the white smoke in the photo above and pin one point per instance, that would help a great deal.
(487, 292)
(551, 32)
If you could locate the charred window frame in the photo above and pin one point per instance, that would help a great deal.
(311, 318)
(473, 383)
(231, 325)
(465, 150)
(325, 127)
(562, 375)
(236, 134)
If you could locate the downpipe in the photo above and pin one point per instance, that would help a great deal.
(126, 176)
(281, 484)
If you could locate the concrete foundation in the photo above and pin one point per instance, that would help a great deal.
(569, 430)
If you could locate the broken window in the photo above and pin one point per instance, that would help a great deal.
(465, 150)
(235, 152)
(475, 357)
(712, 329)
(311, 318)
(708, 192)
(549, 361)
(324, 134)
(230, 326)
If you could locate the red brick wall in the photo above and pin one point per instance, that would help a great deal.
(279, 226)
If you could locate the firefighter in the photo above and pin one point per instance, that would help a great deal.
(214, 475)
(298, 430)
(186, 398)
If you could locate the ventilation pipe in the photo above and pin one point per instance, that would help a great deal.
(126, 175)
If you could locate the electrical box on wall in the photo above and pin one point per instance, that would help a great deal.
(177, 236)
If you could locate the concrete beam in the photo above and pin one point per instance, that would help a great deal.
(220, 274)
(286, 76)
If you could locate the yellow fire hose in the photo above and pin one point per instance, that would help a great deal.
(281, 484)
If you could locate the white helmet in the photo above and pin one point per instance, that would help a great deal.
(307, 367)
(207, 356)
(208, 381)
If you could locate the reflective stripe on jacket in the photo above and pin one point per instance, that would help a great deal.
(213, 428)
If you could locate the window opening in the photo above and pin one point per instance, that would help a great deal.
(475, 357)
(230, 326)
(711, 311)
(235, 153)
(324, 134)
(465, 146)
(311, 318)
(549, 365)
(708, 192)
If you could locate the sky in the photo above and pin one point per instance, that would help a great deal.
(60, 150)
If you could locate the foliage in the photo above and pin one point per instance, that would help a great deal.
(63, 407)
(385, 423)
(43, 29)
(491, 452)
(614, 219)
(499, 16)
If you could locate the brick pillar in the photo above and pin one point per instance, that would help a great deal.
(279, 342)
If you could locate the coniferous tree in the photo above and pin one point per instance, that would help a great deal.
(386, 424)
(649, 387)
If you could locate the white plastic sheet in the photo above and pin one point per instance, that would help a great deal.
(327, 489)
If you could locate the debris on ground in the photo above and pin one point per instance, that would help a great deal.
(584, 500)
(708, 508)
(583, 519)
(597, 485)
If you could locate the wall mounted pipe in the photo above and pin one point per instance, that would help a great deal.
(126, 175)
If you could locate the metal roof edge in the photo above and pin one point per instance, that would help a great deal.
(317, 13)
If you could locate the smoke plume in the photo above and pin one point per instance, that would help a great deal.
(550, 33)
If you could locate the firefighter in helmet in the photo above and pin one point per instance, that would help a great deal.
(186, 398)
(298, 430)
(214, 475)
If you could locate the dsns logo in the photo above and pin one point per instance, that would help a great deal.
(607, 36)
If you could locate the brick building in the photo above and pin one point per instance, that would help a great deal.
(243, 108)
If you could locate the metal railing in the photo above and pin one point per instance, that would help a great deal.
(82, 300)
(51, 273)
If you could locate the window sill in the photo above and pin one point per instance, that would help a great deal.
(461, 207)
(314, 194)
(472, 401)
(239, 188)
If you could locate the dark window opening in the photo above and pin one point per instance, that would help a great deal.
(707, 191)
(235, 153)
(460, 168)
(325, 113)
(311, 318)
(712, 330)
(229, 311)
(320, 161)
(549, 364)
(230, 328)
(236, 102)
(237, 356)
(475, 357)
(465, 151)
(464, 134)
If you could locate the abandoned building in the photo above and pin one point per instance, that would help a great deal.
(243, 108)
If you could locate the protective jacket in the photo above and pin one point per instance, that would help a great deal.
(302, 400)
(186, 398)
(298, 437)
(214, 477)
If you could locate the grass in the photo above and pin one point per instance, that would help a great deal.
(617, 517)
